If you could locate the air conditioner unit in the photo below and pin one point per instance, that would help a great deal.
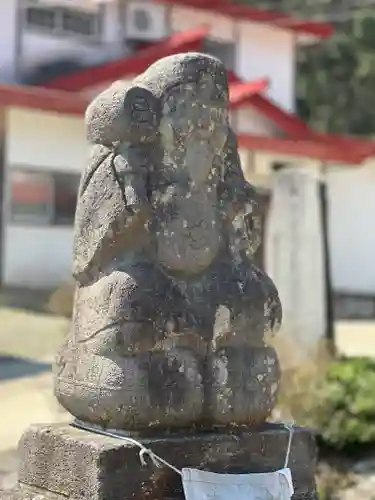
(145, 21)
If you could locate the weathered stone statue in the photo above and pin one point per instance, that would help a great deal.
(170, 313)
(170, 316)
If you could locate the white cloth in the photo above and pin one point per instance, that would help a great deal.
(201, 485)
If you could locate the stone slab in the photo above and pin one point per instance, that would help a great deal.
(60, 461)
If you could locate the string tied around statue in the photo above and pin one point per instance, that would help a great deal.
(156, 460)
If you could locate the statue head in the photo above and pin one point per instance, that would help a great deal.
(175, 114)
(193, 128)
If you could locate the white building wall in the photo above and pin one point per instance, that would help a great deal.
(248, 121)
(351, 212)
(265, 51)
(40, 257)
(220, 28)
(351, 228)
(39, 47)
(8, 39)
(261, 51)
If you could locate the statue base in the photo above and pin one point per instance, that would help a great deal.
(60, 462)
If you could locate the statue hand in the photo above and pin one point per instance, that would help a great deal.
(133, 182)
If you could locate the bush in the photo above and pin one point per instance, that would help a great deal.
(303, 371)
(334, 397)
(344, 412)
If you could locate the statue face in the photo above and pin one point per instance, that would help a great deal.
(194, 129)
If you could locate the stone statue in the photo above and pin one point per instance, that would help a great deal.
(170, 313)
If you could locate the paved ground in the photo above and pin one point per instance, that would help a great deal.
(28, 341)
(356, 338)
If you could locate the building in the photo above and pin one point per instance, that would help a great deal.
(43, 148)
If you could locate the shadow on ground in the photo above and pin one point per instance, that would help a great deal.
(23, 298)
(8, 469)
(12, 368)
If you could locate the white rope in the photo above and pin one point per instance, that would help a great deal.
(155, 459)
(290, 429)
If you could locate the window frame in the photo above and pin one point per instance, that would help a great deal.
(16, 219)
(53, 219)
(58, 29)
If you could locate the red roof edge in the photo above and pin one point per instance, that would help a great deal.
(39, 98)
(363, 146)
(302, 140)
(74, 103)
(320, 30)
(240, 92)
(297, 129)
(287, 122)
(180, 42)
(301, 147)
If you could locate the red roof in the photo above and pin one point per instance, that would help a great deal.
(190, 40)
(75, 103)
(180, 42)
(319, 150)
(301, 140)
(241, 92)
(247, 13)
(42, 99)
(287, 122)
(297, 129)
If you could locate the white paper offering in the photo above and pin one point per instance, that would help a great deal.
(201, 485)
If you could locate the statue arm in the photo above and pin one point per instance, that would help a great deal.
(132, 176)
(112, 212)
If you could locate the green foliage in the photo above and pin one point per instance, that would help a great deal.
(345, 410)
(336, 78)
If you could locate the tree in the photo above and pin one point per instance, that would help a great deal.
(336, 80)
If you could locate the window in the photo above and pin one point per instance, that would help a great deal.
(277, 166)
(43, 198)
(31, 198)
(41, 17)
(63, 21)
(66, 189)
(225, 51)
(82, 23)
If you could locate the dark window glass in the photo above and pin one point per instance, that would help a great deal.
(66, 189)
(63, 20)
(277, 166)
(41, 17)
(79, 22)
(43, 198)
(31, 198)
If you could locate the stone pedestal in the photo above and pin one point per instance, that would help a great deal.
(59, 462)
